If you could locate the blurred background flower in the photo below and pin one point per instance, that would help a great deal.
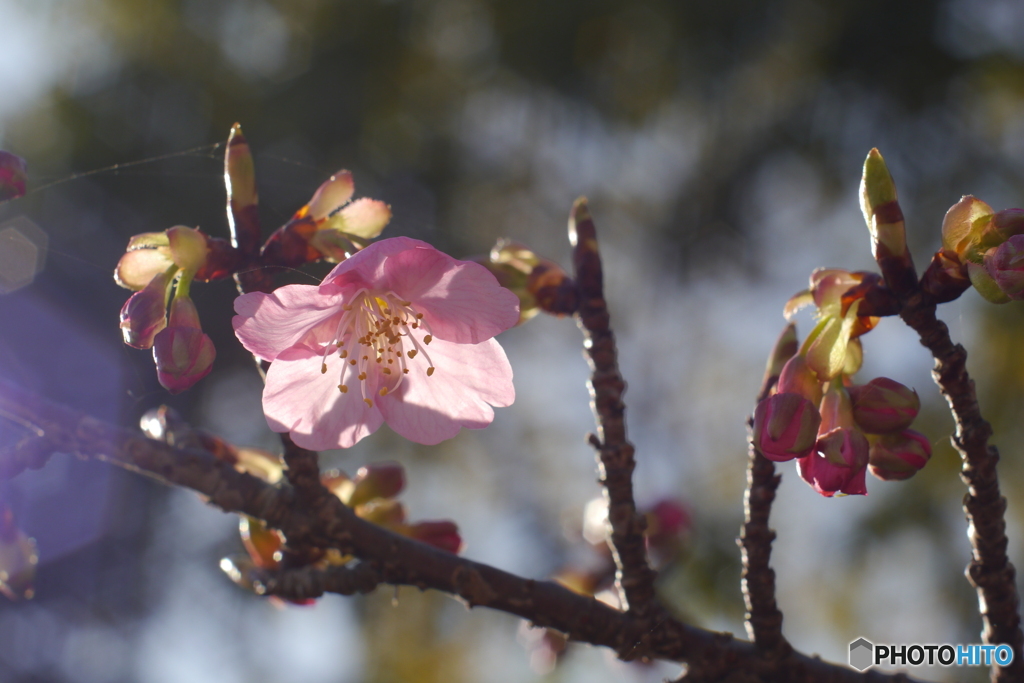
(720, 145)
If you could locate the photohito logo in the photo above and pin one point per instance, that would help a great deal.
(865, 654)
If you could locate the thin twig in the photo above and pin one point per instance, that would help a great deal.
(763, 618)
(634, 576)
(310, 582)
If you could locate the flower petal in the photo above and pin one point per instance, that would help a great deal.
(364, 218)
(466, 378)
(366, 267)
(136, 268)
(267, 324)
(331, 196)
(301, 400)
(461, 301)
(148, 240)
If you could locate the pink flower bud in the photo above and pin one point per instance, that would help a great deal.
(884, 406)
(183, 354)
(895, 457)
(13, 172)
(378, 480)
(785, 426)
(839, 463)
(1008, 222)
(1005, 265)
(440, 534)
(797, 377)
(145, 313)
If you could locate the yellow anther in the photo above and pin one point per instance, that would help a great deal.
(368, 402)
(352, 362)
(383, 391)
(344, 352)
(412, 354)
(342, 388)
(362, 376)
(430, 371)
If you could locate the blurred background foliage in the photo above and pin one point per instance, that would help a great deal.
(720, 145)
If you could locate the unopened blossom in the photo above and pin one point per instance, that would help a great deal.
(145, 312)
(399, 332)
(785, 426)
(883, 405)
(839, 460)
(838, 463)
(182, 352)
(797, 377)
(1005, 265)
(895, 457)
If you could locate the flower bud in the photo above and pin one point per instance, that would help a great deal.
(378, 480)
(838, 464)
(785, 426)
(962, 226)
(895, 457)
(187, 247)
(797, 377)
(183, 354)
(884, 217)
(442, 534)
(986, 286)
(540, 284)
(1007, 223)
(13, 173)
(881, 208)
(1005, 266)
(883, 406)
(145, 313)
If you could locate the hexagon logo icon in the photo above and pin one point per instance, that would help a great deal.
(861, 654)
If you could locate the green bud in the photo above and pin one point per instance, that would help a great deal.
(881, 209)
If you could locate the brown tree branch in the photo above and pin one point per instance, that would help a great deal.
(990, 570)
(310, 582)
(757, 581)
(634, 577)
(328, 523)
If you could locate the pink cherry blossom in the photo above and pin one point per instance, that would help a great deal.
(398, 333)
